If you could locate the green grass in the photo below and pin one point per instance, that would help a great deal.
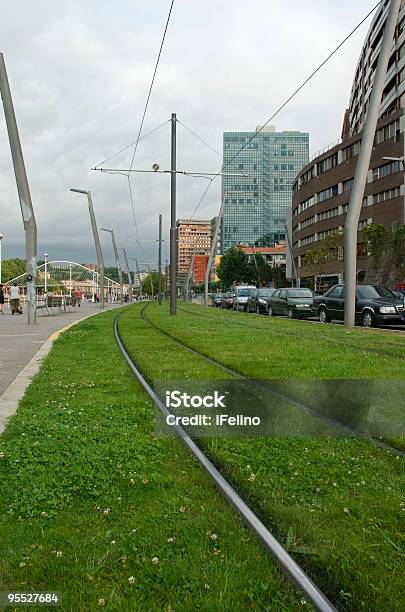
(94, 505)
(336, 503)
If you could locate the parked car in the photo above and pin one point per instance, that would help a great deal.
(296, 303)
(227, 300)
(240, 297)
(375, 305)
(216, 299)
(258, 301)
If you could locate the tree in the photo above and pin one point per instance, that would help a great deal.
(278, 276)
(233, 268)
(387, 249)
(11, 268)
(146, 284)
(329, 249)
(260, 272)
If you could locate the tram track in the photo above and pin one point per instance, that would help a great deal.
(293, 570)
(297, 404)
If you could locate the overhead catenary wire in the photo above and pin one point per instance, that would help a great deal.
(131, 144)
(288, 100)
(200, 138)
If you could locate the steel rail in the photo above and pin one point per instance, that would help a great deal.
(351, 432)
(272, 545)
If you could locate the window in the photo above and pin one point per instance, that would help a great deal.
(385, 170)
(337, 292)
(351, 151)
(328, 193)
(328, 214)
(328, 163)
(389, 131)
(389, 194)
(306, 204)
(307, 222)
(347, 185)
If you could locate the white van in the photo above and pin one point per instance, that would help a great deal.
(241, 295)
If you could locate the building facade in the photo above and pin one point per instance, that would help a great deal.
(275, 256)
(322, 188)
(199, 268)
(193, 236)
(258, 191)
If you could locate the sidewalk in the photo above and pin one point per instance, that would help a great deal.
(19, 341)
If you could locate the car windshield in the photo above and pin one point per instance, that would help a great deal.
(302, 293)
(245, 292)
(370, 291)
(266, 292)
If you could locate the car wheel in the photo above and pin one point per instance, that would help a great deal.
(368, 319)
(290, 313)
(270, 312)
(323, 316)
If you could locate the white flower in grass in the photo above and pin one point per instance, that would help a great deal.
(131, 580)
(182, 509)
(101, 601)
(171, 539)
(106, 511)
(346, 510)
(59, 554)
(155, 560)
(252, 477)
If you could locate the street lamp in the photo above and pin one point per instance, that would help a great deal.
(46, 273)
(117, 260)
(99, 253)
(1, 238)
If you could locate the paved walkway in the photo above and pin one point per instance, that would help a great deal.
(19, 341)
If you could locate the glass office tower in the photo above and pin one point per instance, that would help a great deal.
(256, 199)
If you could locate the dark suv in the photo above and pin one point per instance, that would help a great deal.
(375, 305)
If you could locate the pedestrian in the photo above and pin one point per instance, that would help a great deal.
(79, 296)
(14, 293)
(1, 299)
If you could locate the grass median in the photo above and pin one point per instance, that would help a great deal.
(336, 503)
(94, 505)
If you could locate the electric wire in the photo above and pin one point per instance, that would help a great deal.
(131, 196)
(295, 92)
(200, 138)
(131, 144)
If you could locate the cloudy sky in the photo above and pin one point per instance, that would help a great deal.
(79, 72)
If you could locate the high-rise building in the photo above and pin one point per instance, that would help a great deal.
(193, 236)
(322, 188)
(258, 191)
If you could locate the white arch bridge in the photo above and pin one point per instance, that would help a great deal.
(64, 277)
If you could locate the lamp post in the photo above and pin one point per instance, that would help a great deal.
(27, 209)
(46, 273)
(70, 279)
(117, 260)
(1, 238)
(99, 253)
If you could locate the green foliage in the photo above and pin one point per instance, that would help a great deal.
(236, 267)
(112, 272)
(146, 284)
(387, 249)
(233, 268)
(10, 268)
